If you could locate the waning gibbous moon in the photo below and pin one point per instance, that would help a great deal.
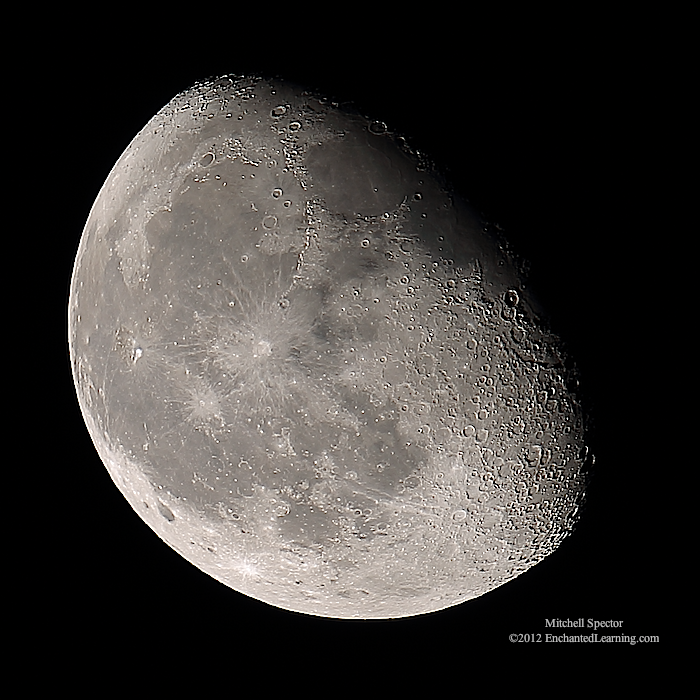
(309, 367)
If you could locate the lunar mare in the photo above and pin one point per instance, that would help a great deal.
(309, 367)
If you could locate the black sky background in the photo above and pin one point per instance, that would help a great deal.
(537, 135)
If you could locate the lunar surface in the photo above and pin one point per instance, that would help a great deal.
(311, 368)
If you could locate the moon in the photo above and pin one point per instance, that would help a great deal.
(312, 368)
